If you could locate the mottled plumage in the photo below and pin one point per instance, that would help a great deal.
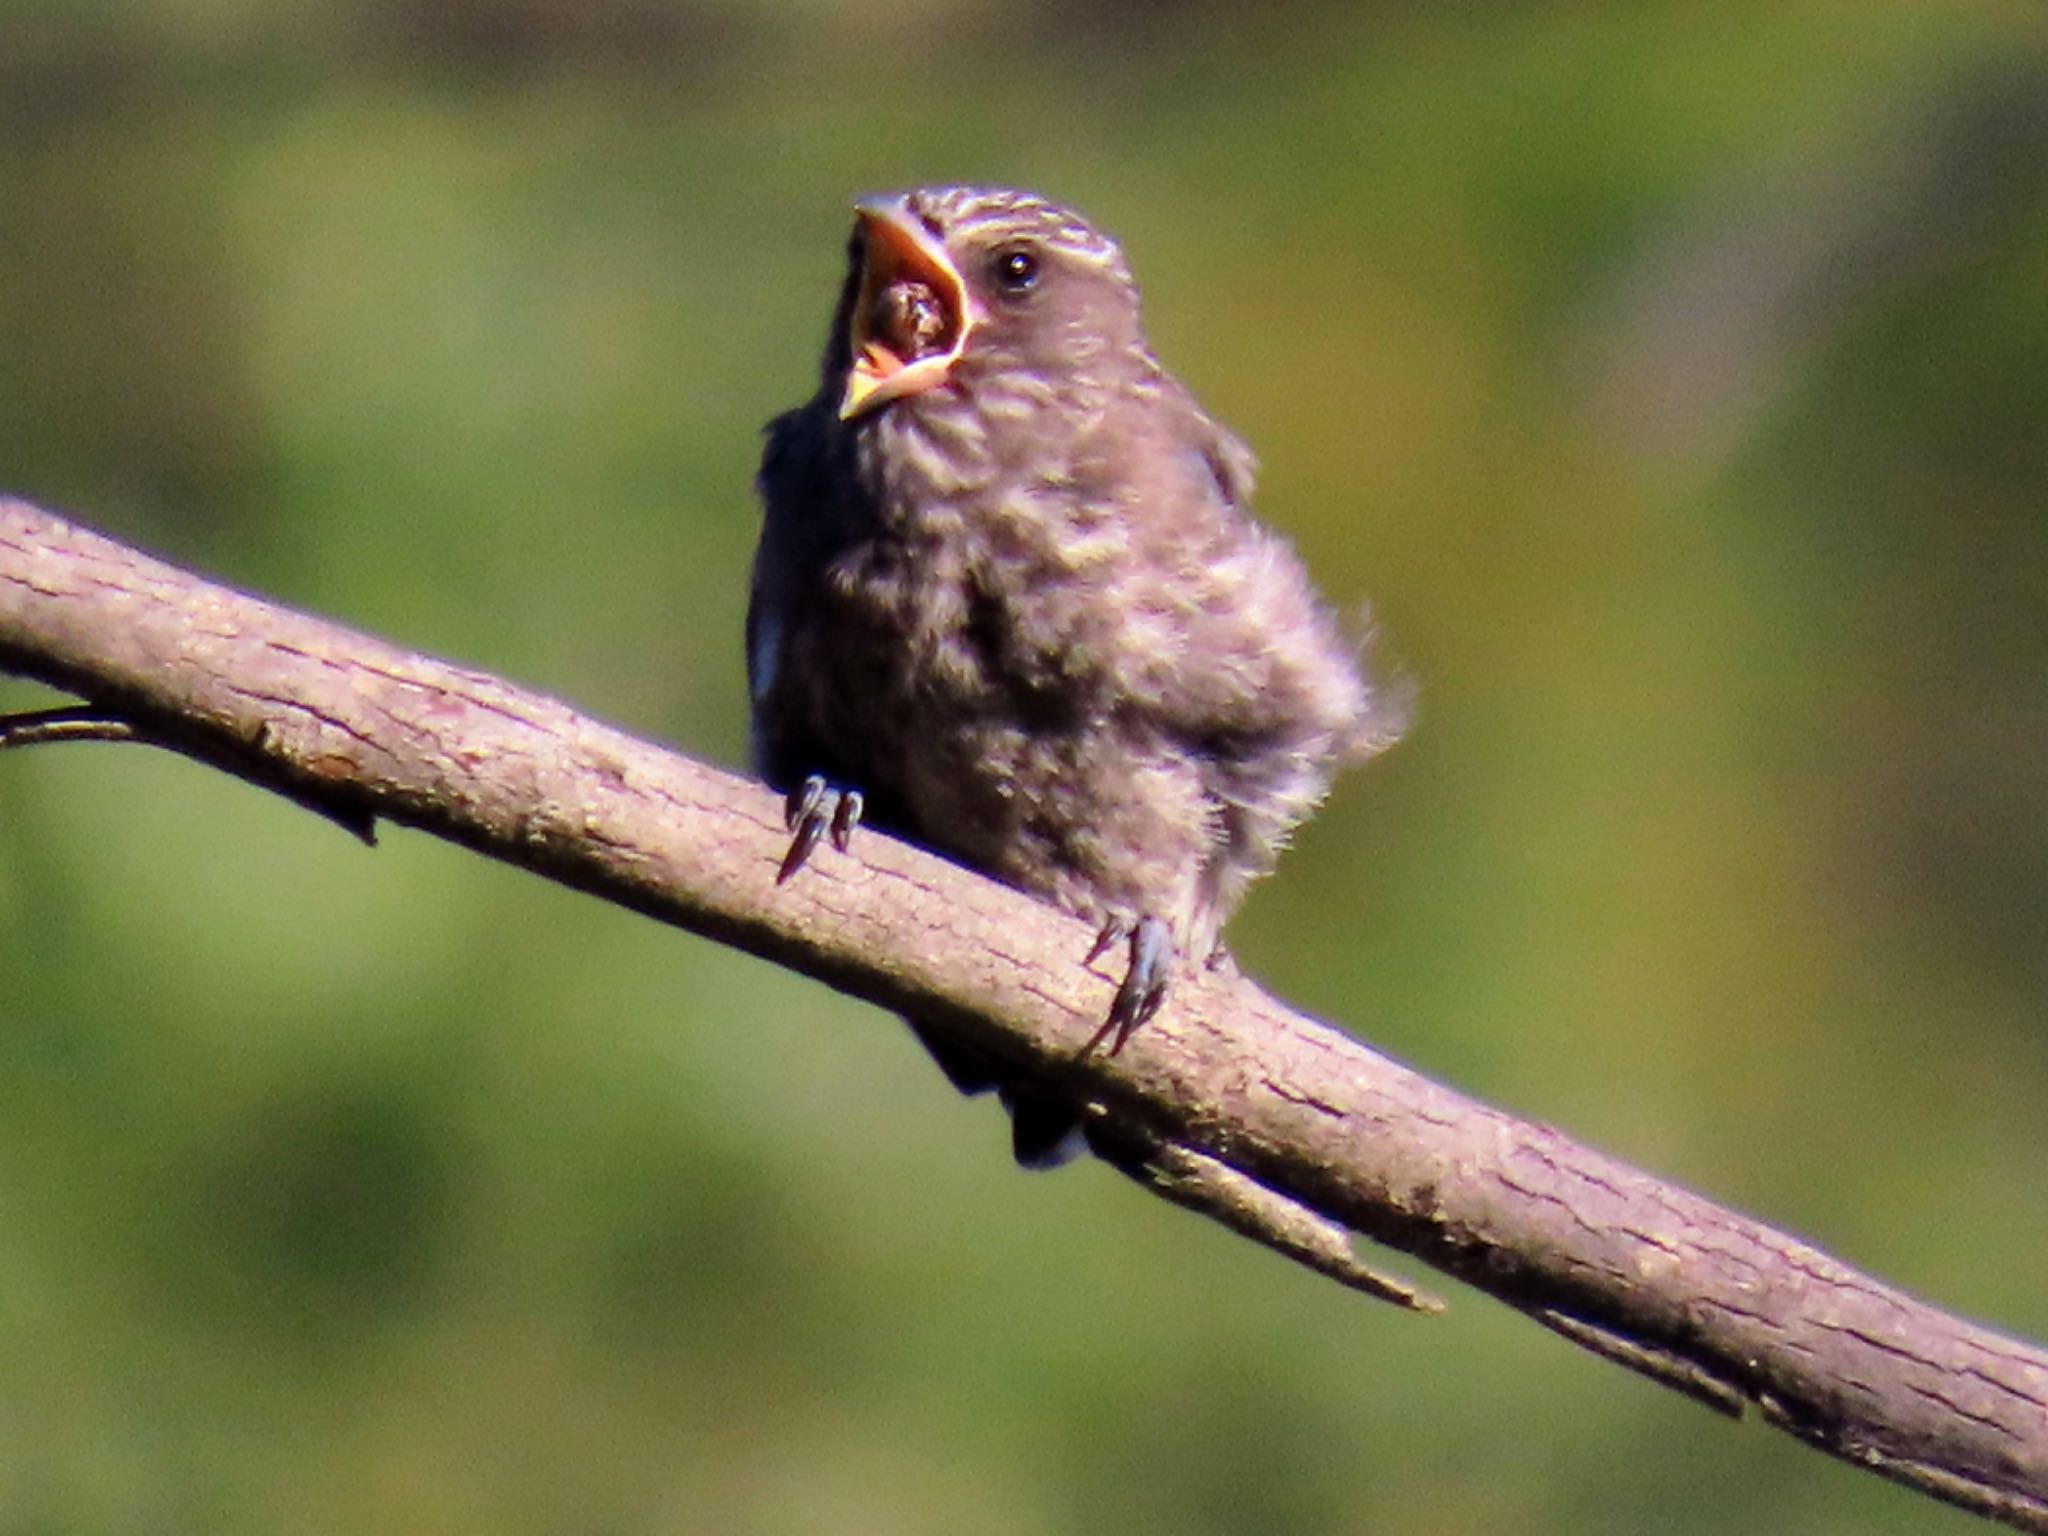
(1009, 589)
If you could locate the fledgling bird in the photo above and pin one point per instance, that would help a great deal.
(1010, 602)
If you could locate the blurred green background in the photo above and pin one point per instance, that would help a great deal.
(1671, 378)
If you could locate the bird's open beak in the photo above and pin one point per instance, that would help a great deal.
(912, 314)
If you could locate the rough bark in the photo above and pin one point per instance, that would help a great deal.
(1270, 1122)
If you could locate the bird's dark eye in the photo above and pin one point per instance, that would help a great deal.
(1016, 270)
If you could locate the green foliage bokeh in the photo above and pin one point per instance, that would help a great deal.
(1673, 381)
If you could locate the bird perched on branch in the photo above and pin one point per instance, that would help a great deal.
(1010, 602)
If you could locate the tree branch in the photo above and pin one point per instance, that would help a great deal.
(1277, 1125)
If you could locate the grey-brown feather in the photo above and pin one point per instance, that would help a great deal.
(1029, 614)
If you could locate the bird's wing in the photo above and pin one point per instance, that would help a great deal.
(1264, 664)
(1230, 462)
(796, 518)
(780, 484)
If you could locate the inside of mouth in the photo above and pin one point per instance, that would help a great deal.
(906, 321)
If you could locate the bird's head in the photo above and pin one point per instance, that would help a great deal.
(952, 284)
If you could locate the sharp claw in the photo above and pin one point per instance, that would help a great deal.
(814, 808)
(846, 816)
(1114, 931)
(808, 831)
(1144, 985)
(804, 801)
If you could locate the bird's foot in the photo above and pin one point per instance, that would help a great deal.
(815, 808)
(1144, 984)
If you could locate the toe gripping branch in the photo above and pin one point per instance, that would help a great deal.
(818, 808)
(1144, 985)
(1200, 1181)
(813, 809)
